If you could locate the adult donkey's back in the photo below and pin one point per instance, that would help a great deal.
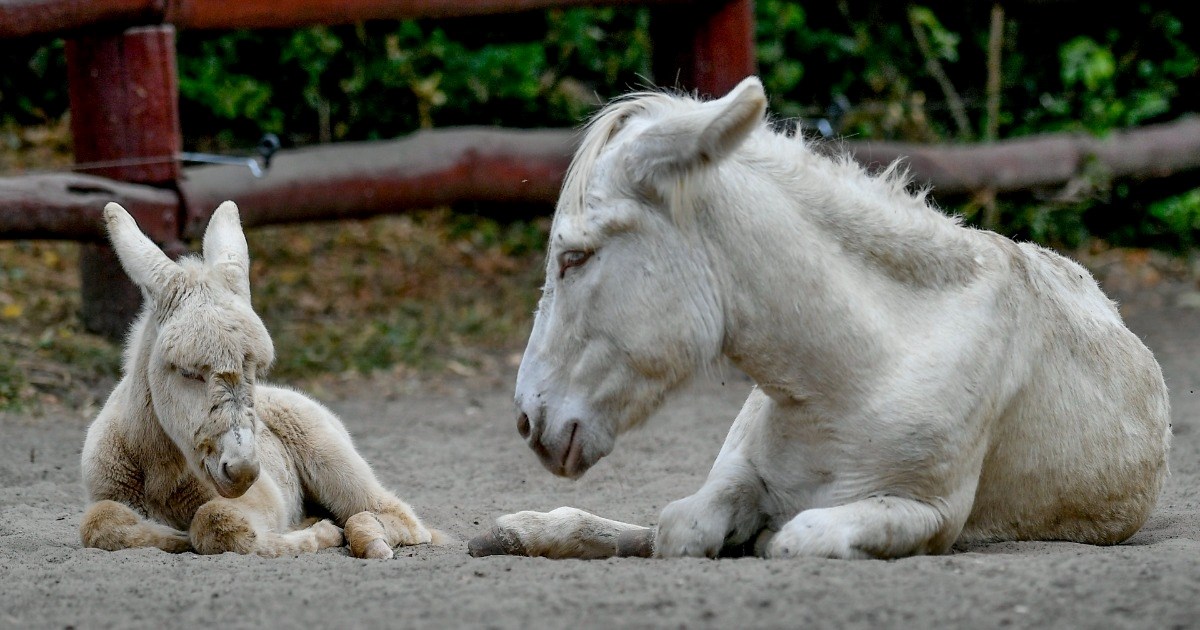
(918, 382)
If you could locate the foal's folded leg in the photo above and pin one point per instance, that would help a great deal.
(389, 522)
(338, 478)
(223, 525)
(111, 526)
(566, 532)
(375, 519)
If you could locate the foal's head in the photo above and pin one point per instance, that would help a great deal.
(200, 344)
(629, 309)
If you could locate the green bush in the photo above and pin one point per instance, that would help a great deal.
(854, 63)
(382, 79)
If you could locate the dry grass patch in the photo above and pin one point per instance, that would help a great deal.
(403, 298)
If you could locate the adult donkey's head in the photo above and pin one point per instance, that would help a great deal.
(198, 346)
(630, 308)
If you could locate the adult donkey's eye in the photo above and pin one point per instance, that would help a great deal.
(571, 258)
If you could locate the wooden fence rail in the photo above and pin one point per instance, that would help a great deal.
(23, 18)
(438, 167)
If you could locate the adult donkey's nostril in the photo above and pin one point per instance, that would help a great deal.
(523, 424)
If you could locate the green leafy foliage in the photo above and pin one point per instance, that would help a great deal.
(854, 63)
(1179, 218)
(382, 79)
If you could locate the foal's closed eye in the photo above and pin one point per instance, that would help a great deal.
(572, 258)
(195, 375)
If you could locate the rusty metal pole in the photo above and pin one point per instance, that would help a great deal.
(707, 48)
(124, 95)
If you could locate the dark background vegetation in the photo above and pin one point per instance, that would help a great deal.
(1065, 66)
(400, 293)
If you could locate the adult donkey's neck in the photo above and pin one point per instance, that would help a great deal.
(819, 264)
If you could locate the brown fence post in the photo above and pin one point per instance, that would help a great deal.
(125, 112)
(708, 48)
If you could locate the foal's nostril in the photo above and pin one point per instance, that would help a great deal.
(240, 474)
(523, 425)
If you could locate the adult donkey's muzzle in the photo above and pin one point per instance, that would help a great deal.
(560, 449)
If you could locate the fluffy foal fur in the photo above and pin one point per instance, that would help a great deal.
(918, 383)
(191, 453)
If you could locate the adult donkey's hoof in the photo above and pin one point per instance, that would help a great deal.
(496, 542)
(636, 543)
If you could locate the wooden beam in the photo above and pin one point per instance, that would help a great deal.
(125, 104)
(443, 167)
(449, 166)
(69, 206)
(1138, 154)
(125, 112)
(707, 48)
(23, 18)
(221, 14)
(361, 179)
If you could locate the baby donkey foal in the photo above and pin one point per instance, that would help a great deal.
(190, 453)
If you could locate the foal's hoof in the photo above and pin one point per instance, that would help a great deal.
(327, 534)
(378, 549)
(496, 542)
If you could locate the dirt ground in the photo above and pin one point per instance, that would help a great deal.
(453, 452)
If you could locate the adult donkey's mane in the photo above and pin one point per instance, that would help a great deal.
(879, 216)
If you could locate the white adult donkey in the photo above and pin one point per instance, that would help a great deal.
(191, 453)
(919, 383)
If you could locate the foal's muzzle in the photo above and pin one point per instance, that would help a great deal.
(237, 468)
(234, 477)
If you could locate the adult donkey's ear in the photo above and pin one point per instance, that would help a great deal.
(706, 135)
(225, 248)
(146, 264)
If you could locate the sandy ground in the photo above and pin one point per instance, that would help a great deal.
(455, 455)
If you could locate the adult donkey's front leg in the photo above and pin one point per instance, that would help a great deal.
(565, 532)
(879, 527)
(726, 512)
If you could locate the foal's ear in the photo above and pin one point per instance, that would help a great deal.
(706, 135)
(225, 248)
(145, 263)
